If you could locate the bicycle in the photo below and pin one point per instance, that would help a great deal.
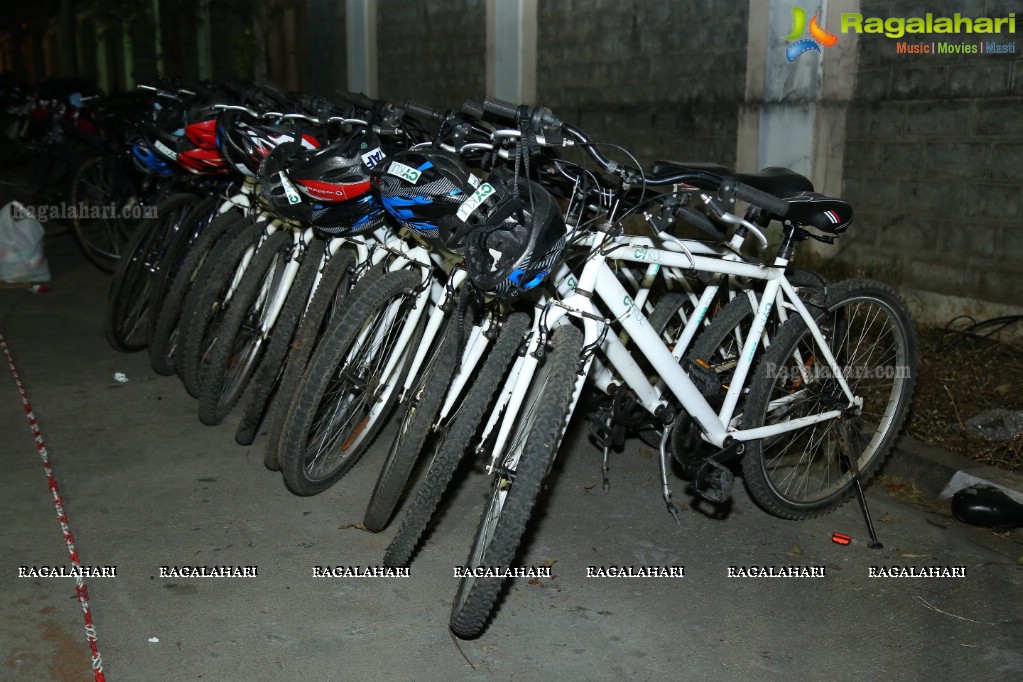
(807, 401)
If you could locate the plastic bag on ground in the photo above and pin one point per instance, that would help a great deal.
(21, 246)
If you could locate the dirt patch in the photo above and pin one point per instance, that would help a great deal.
(961, 375)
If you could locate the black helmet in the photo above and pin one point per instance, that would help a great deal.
(244, 141)
(510, 236)
(333, 173)
(421, 188)
(350, 212)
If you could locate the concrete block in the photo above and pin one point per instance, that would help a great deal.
(906, 233)
(929, 197)
(861, 160)
(872, 84)
(1001, 283)
(991, 201)
(983, 80)
(949, 118)
(955, 159)
(898, 159)
(1006, 161)
(1000, 117)
(968, 237)
(917, 82)
(871, 194)
(940, 274)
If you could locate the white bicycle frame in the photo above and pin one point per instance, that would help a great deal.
(598, 279)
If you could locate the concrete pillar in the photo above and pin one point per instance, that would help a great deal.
(102, 61)
(203, 46)
(128, 55)
(511, 50)
(794, 115)
(157, 38)
(361, 28)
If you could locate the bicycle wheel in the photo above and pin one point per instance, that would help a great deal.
(452, 446)
(345, 395)
(166, 332)
(415, 416)
(806, 472)
(192, 227)
(237, 341)
(268, 371)
(100, 182)
(205, 305)
(516, 485)
(130, 297)
(327, 304)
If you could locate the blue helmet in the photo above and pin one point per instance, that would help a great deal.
(419, 189)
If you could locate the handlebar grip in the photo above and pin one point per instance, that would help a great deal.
(775, 205)
(472, 108)
(356, 98)
(499, 107)
(423, 111)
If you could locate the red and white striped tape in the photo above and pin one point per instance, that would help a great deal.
(80, 589)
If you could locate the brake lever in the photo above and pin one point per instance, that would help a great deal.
(731, 219)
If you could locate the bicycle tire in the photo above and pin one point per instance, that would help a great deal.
(763, 470)
(330, 294)
(129, 301)
(540, 427)
(192, 227)
(163, 344)
(340, 349)
(237, 339)
(267, 372)
(461, 429)
(415, 416)
(115, 234)
(205, 305)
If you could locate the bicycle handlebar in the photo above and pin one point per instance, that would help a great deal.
(423, 111)
(775, 205)
(357, 98)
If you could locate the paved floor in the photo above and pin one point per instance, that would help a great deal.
(144, 485)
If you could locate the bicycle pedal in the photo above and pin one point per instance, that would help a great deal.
(713, 482)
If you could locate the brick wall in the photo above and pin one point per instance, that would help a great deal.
(663, 78)
(934, 162)
(431, 52)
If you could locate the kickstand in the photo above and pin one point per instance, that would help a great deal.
(665, 489)
(604, 468)
(846, 444)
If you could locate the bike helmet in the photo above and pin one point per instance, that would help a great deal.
(154, 149)
(244, 140)
(355, 214)
(333, 173)
(510, 235)
(419, 189)
(149, 160)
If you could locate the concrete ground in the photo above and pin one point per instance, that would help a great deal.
(144, 484)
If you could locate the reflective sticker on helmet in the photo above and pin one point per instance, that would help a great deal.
(400, 170)
(473, 202)
(474, 181)
(165, 149)
(371, 159)
(289, 189)
(497, 255)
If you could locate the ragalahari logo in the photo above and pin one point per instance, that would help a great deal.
(818, 36)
